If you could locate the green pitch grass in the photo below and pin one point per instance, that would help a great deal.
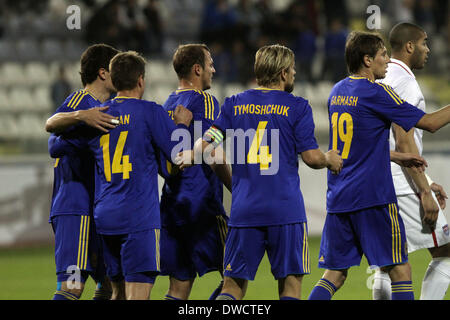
(28, 274)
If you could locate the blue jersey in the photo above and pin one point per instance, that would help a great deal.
(126, 168)
(73, 182)
(271, 127)
(361, 112)
(196, 191)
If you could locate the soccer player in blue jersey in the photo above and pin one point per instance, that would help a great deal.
(361, 203)
(126, 212)
(193, 219)
(77, 247)
(268, 128)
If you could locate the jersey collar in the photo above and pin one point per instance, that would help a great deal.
(403, 66)
(266, 89)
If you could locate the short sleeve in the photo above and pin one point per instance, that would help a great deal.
(223, 121)
(203, 107)
(162, 127)
(304, 130)
(388, 104)
(216, 134)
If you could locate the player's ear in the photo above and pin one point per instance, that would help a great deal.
(283, 75)
(141, 81)
(409, 47)
(367, 61)
(197, 69)
(102, 73)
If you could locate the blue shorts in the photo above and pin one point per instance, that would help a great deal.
(192, 249)
(77, 247)
(286, 246)
(133, 257)
(376, 232)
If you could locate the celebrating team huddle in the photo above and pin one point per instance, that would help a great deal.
(110, 145)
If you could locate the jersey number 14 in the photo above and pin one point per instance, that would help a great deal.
(120, 163)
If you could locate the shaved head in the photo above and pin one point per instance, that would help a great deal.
(402, 33)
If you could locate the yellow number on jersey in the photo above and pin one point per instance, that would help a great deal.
(121, 163)
(346, 136)
(264, 158)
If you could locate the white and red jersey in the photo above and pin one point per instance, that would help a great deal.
(400, 77)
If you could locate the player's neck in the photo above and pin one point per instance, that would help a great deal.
(134, 93)
(365, 73)
(98, 91)
(403, 58)
(189, 84)
(276, 86)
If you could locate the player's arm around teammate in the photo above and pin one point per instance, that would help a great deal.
(98, 84)
(94, 117)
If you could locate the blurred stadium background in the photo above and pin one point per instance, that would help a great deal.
(39, 64)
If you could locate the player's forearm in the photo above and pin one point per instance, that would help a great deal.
(395, 157)
(314, 159)
(57, 146)
(62, 121)
(224, 173)
(417, 176)
(218, 164)
(420, 180)
(435, 120)
(405, 143)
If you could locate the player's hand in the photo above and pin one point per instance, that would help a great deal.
(430, 208)
(440, 194)
(334, 161)
(96, 118)
(182, 115)
(409, 160)
(184, 159)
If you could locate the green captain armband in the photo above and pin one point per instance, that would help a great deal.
(214, 136)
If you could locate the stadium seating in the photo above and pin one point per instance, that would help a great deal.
(37, 73)
(41, 98)
(7, 50)
(27, 49)
(11, 73)
(5, 105)
(10, 129)
(20, 99)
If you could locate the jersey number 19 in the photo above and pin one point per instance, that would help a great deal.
(342, 128)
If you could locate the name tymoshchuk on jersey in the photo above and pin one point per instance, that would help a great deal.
(259, 147)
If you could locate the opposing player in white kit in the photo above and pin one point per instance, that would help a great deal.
(418, 197)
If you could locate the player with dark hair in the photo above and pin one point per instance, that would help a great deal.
(96, 80)
(126, 212)
(267, 211)
(362, 207)
(417, 195)
(77, 248)
(193, 219)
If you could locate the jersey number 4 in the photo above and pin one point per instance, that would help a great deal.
(342, 128)
(264, 158)
(120, 163)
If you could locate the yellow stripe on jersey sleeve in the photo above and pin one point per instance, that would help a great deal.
(393, 96)
(77, 102)
(74, 97)
(391, 90)
(206, 105)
